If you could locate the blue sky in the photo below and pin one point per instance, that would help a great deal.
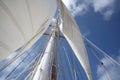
(99, 21)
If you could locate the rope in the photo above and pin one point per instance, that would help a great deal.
(31, 74)
(58, 60)
(106, 71)
(101, 63)
(36, 59)
(101, 51)
(39, 60)
(16, 67)
(21, 61)
(63, 71)
(22, 50)
(62, 67)
(74, 67)
(36, 65)
(17, 75)
(72, 71)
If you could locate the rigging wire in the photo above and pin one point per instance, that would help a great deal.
(62, 69)
(28, 54)
(101, 51)
(58, 75)
(82, 78)
(16, 67)
(101, 63)
(39, 60)
(106, 71)
(71, 64)
(74, 68)
(32, 62)
(68, 61)
(21, 52)
(37, 63)
(28, 67)
(58, 58)
(38, 57)
(17, 75)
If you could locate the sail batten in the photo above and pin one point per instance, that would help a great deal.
(71, 32)
(21, 20)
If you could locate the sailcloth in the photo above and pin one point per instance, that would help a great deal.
(21, 21)
(71, 32)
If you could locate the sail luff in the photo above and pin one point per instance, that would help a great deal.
(71, 32)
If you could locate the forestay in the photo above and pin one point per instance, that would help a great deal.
(71, 32)
(21, 20)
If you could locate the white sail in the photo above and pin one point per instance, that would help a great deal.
(21, 20)
(71, 32)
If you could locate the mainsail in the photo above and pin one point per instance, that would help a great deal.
(71, 32)
(21, 21)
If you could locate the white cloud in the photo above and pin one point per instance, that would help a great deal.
(113, 70)
(104, 7)
(75, 8)
(99, 5)
(108, 14)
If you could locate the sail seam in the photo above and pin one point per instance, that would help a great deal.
(8, 12)
(28, 7)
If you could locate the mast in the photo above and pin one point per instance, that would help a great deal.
(54, 65)
(46, 70)
(43, 68)
(53, 71)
